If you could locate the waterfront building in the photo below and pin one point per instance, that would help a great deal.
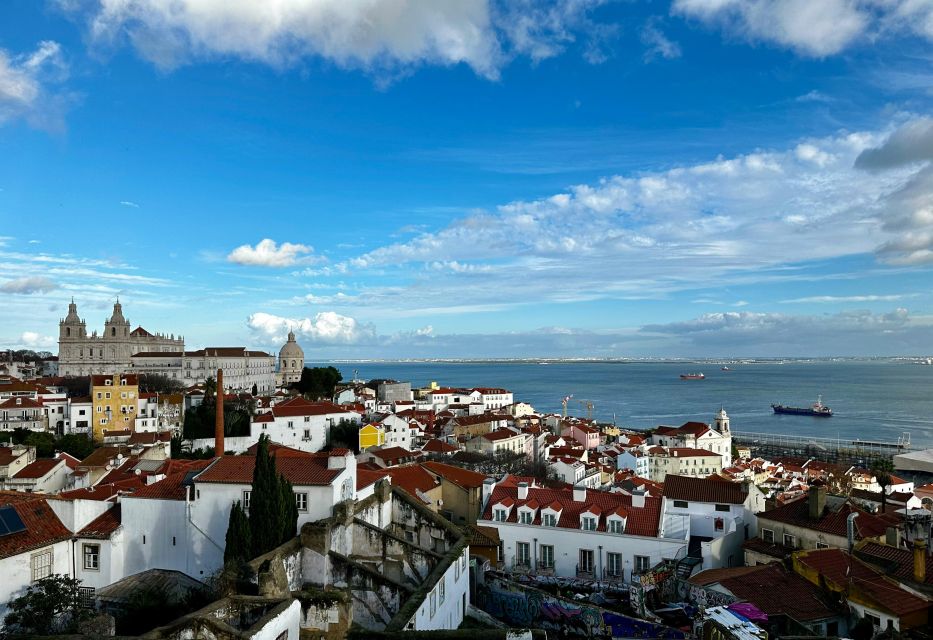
(686, 461)
(699, 435)
(110, 352)
(243, 368)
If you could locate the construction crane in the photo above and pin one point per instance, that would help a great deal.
(563, 403)
(588, 404)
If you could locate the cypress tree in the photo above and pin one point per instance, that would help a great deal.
(263, 503)
(238, 546)
(289, 511)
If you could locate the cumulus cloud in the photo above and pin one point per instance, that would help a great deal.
(908, 211)
(28, 285)
(268, 254)
(33, 340)
(326, 327)
(377, 35)
(26, 83)
(811, 28)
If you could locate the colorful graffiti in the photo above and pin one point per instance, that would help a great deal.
(522, 606)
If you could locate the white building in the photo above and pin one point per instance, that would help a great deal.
(492, 398)
(575, 472)
(498, 442)
(684, 461)
(698, 435)
(720, 513)
(577, 532)
(636, 460)
(291, 362)
(243, 369)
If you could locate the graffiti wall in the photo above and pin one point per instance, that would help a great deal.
(523, 606)
(679, 590)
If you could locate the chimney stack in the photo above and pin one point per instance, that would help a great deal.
(817, 501)
(522, 490)
(638, 498)
(579, 493)
(219, 415)
(920, 560)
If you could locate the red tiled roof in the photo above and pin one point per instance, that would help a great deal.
(640, 521)
(70, 461)
(839, 567)
(39, 468)
(499, 434)
(774, 590)
(20, 402)
(438, 446)
(172, 486)
(139, 332)
(298, 406)
(101, 380)
(703, 490)
(42, 525)
(366, 477)
(896, 562)
(797, 513)
(412, 478)
(688, 452)
(461, 477)
(104, 491)
(103, 525)
(300, 471)
(392, 454)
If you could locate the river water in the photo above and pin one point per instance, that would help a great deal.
(871, 400)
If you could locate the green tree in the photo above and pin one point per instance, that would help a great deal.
(266, 510)
(239, 546)
(75, 444)
(50, 605)
(345, 433)
(210, 389)
(43, 441)
(159, 383)
(290, 510)
(318, 382)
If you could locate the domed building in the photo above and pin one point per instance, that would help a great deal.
(291, 362)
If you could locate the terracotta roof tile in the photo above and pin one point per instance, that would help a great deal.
(300, 471)
(42, 525)
(703, 490)
(103, 525)
(412, 478)
(797, 513)
(39, 468)
(461, 477)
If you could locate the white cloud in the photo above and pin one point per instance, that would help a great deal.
(657, 44)
(268, 254)
(25, 82)
(728, 220)
(838, 299)
(813, 28)
(28, 285)
(128, 203)
(33, 340)
(326, 327)
(376, 35)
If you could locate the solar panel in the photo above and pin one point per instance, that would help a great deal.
(10, 522)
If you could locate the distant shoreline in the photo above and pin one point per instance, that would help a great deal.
(717, 361)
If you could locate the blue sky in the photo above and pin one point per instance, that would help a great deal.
(472, 178)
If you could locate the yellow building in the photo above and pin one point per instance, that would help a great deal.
(114, 399)
(372, 436)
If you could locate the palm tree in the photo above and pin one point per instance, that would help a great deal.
(882, 468)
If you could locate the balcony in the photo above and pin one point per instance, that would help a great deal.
(521, 565)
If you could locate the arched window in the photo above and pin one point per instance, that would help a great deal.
(113, 331)
(293, 364)
(113, 353)
(68, 332)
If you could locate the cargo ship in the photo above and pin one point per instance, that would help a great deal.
(692, 376)
(816, 409)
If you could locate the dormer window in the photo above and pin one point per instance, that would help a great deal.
(525, 516)
(549, 519)
(616, 525)
(500, 515)
(588, 523)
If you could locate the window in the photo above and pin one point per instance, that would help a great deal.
(307, 434)
(433, 602)
(91, 557)
(790, 541)
(615, 526)
(442, 589)
(642, 564)
(525, 517)
(718, 524)
(874, 620)
(586, 561)
(522, 554)
(767, 535)
(246, 495)
(107, 395)
(822, 545)
(614, 564)
(41, 564)
(291, 424)
(681, 504)
(500, 515)
(589, 524)
(722, 507)
(301, 501)
(547, 556)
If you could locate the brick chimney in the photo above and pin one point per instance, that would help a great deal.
(920, 560)
(219, 415)
(817, 501)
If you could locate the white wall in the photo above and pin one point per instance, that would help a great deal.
(449, 613)
(16, 571)
(568, 542)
